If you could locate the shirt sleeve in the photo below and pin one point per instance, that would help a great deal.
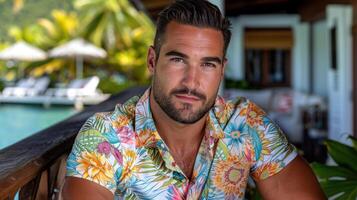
(93, 156)
(273, 152)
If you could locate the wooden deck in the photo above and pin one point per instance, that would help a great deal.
(32, 165)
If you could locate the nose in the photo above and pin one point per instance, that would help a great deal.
(192, 77)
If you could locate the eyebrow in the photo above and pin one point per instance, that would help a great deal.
(205, 59)
(176, 53)
(212, 59)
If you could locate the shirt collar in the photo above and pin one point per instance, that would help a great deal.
(146, 132)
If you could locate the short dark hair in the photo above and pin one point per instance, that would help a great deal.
(200, 13)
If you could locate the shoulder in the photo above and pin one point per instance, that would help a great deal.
(114, 128)
(235, 110)
(249, 129)
(102, 144)
(104, 121)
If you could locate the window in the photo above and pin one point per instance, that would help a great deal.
(268, 57)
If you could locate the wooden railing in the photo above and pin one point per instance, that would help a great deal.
(35, 166)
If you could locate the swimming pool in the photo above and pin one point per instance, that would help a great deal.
(20, 121)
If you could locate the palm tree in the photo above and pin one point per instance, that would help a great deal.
(31, 34)
(46, 34)
(62, 28)
(114, 25)
(119, 28)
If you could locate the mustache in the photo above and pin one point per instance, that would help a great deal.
(186, 90)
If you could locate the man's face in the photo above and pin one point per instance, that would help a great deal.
(188, 71)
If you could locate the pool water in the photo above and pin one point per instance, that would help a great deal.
(20, 121)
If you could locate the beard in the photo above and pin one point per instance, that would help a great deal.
(185, 113)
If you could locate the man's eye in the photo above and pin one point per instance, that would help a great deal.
(176, 59)
(209, 65)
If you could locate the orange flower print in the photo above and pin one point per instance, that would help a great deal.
(254, 115)
(95, 167)
(146, 137)
(231, 177)
(130, 111)
(129, 157)
(266, 170)
(121, 121)
(222, 110)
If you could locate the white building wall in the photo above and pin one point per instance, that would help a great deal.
(235, 53)
(336, 84)
(340, 80)
(321, 60)
(301, 60)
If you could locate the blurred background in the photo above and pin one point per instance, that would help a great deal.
(98, 48)
(294, 58)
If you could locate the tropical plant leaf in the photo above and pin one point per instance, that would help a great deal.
(90, 139)
(333, 187)
(327, 172)
(91, 27)
(48, 26)
(348, 196)
(342, 154)
(354, 142)
(352, 195)
(339, 182)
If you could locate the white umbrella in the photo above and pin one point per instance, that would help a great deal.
(22, 51)
(78, 49)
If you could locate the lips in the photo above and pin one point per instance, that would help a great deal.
(186, 97)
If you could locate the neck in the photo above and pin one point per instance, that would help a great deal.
(177, 136)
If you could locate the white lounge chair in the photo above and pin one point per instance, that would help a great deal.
(77, 88)
(21, 87)
(89, 88)
(39, 87)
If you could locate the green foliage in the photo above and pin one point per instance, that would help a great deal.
(2, 85)
(31, 11)
(31, 34)
(114, 25)
(62, 27)
(121, 30)
(340, 180)
(238, 84)
(109, 85)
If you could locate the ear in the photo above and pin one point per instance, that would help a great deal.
(151, 60)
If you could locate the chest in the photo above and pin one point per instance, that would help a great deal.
(213, 177)
(185, 161)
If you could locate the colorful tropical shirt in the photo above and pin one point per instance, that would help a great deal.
(123, 152)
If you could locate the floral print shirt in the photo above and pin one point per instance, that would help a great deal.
(122, 151)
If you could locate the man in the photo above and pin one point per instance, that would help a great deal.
(179, 140)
